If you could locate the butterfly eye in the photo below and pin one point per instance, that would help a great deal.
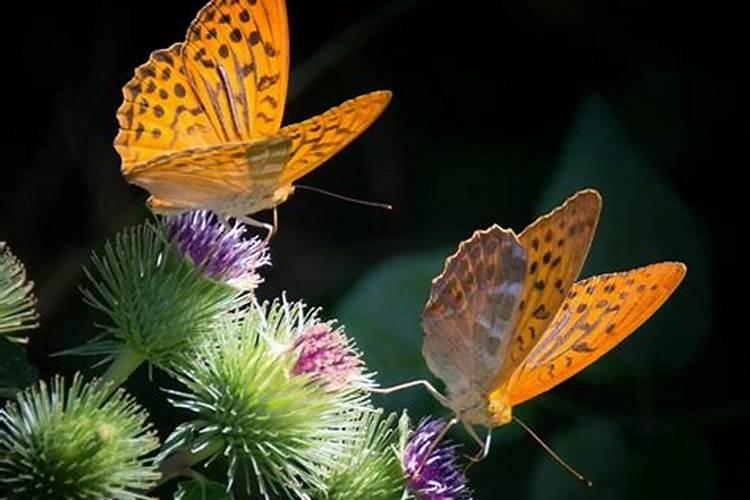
(500, 409)
(503, 416)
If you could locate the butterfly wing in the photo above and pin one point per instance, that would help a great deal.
(556, 247)
(160, 114)
(319, 138)
(472, 309)
(598, 314)
(237, 59)
(215, 177)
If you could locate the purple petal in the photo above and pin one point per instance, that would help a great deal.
(436, 476)
(221, 251)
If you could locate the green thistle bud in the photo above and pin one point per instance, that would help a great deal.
(158, 301)
(79, 443)
(16, 300)
(279, 426)
(371, 467)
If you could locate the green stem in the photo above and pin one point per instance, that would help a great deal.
(124, 364)
(179, 463)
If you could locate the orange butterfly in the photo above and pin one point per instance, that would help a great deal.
(200, 122)
(506, 320)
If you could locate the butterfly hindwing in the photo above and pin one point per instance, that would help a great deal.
(598, 313)
(215, 177)
(160, 114)
(556, 245)
(317, 139)
(237, 56)
(472, 309)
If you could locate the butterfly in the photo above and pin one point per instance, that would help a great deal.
(200, 123)
(506, 320)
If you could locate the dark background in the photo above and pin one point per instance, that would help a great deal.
(501, 111)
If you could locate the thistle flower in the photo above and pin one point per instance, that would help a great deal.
(16, 299)
(281, 429)
(222, 252)
(158, 302)
(75, 443)
(327, 355)
(371, 467)
(433, 471)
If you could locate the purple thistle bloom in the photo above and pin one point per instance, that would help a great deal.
(327, 355)
(437, 476)
(221, 251)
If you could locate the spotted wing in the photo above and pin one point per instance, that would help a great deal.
(213, 177)
(237, 56)
(469, 317)
(319, 138)
(597, 314)
(160, 114)
(556, 247)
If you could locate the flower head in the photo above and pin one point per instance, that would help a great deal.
(279, 428)
(326, 354)
(16, 298)
(75, 442)
(160, 305)
(433, 471)
(222, 252)
(370, 468)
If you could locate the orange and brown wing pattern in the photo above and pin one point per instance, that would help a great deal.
(317, 139)
(160, 114)
(237, 56)
(556, 246)
(598, 314)
(472, 309)
(217, 177)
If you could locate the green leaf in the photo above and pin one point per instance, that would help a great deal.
(643, 221)
(15, 371)
(679, 466)
(201, 489)
(663, 465)
(596, 449)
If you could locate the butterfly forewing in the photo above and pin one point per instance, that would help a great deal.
(556, 246)
(469, 318)
(160, 114)
(319, 138)
(217, 177)
(218, 93)
(237, 56)
(598, 313)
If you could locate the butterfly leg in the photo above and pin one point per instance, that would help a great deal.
(435, 393)
(484, 446)
(256, 223)
(453, 421)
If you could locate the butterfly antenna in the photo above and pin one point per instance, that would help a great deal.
(554, 455)
(345, 198)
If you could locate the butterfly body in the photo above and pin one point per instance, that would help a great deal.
(506, 319)
(200, 123)
(231, 206)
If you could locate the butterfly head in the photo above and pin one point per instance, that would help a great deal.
(281, 194)
(162, 207)
(500, 409)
